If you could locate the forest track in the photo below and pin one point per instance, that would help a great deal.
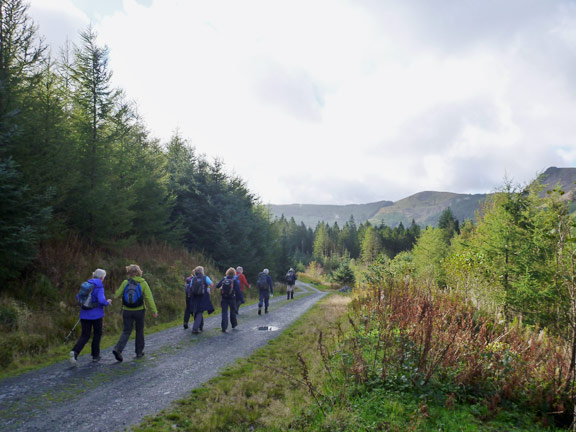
(112, 396)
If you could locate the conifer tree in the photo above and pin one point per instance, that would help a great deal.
(371, 244)
(99, 211)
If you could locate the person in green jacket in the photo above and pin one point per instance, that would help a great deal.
(135, 293)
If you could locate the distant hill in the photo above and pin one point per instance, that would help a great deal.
(311, 214)
(426, 207)
(423, 207)
(564, 177)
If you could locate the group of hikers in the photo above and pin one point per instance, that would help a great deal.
(136, 294)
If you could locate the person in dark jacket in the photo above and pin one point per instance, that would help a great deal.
(229, 292)
(187, 301)
(290, 282)
(198, 304)
(92, 319)
(265, 290)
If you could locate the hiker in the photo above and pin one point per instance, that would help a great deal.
(199, 300)
(243, 283)
(265, 290)
(186, 300)
(91, 316)
(229, 290)
(291, 277)
(135, 293)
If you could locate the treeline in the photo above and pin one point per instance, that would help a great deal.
(517, 261)
(328, 246)
(76, 158)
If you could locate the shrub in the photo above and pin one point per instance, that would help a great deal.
(413, 337)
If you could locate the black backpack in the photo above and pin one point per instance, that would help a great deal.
(290, 278)
(262, 282)
(198, 285)
(132, 296)
(227, 287)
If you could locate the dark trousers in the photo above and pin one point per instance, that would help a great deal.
(87, 326)
(198, 321)
(228, 303)
(264, 298)
(186, 312)
(132, 318)
(238, 303)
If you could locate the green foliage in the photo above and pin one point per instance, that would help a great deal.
(23, 217)
(429, 252)
(344, 275)
(371, 245)
(514, 258)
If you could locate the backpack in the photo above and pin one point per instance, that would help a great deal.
(290, 278)
(84, 296)
(187, 286)
(132, 296)
(227, 287)
(197, 286)
(262, 282)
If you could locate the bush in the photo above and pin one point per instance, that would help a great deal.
(8, 317)
(344, 275)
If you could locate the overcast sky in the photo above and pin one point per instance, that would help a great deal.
(341, 102)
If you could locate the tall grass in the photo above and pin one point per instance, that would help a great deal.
(411, 338)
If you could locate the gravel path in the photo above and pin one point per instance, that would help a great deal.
(112, 396)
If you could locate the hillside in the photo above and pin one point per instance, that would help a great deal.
(311, 214)
(423, 207)
(563, 177)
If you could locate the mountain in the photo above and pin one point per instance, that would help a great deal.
(563, 177)
(423, 207)
(311, 214)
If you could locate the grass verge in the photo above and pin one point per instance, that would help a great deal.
(263, 392)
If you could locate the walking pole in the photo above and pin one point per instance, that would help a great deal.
(66, 340)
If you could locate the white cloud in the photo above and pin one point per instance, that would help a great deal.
(58, 21)
(335, 101)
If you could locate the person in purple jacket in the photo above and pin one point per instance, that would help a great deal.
(92, 319)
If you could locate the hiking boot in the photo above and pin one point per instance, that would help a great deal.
(139, 356)
(96, 359)
(266, 310)
(117, 356)
(73, 358)
(185, 326)
(259, 311)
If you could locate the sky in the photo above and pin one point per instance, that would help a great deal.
(346, 102)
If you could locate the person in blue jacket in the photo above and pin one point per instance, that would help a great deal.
(229, 292)
(265, 289)
(198, 304)
(91, 319)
